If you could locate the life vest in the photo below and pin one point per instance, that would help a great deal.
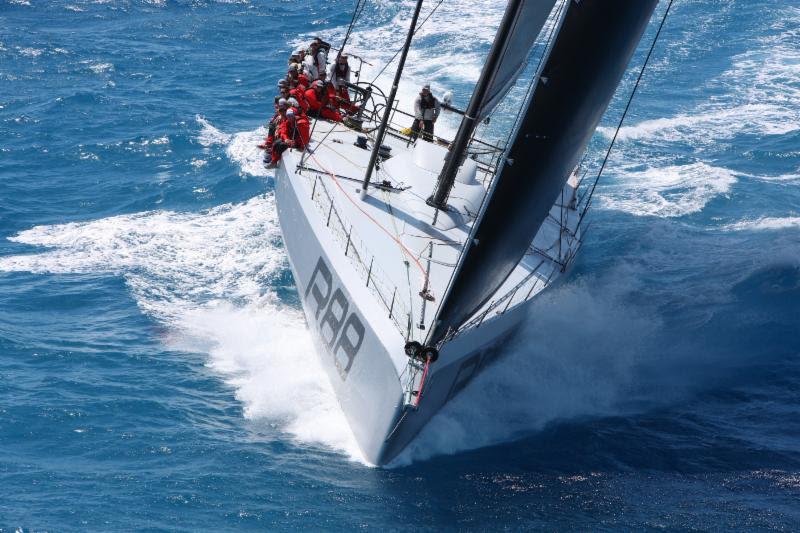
(314, 101)
(297, 131)
(303, 80)
(299, 95)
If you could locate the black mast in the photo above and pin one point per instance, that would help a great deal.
(470, 121)
(387, 113)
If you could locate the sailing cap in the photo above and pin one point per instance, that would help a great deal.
(292, 102)
(426, 87)
(290, 113)
(318, 83)
(282, 83)
(282, 102)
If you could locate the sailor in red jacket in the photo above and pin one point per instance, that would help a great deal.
(299, 94)
(292, 133)
(319, 103)
(274, 122)
(303, 80)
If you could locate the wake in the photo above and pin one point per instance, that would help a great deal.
(210, 278)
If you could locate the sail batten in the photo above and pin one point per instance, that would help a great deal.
(594, 44)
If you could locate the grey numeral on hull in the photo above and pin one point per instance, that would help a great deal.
(341, 332)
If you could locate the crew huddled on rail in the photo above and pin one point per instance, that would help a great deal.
(312, 89)
(307, 91)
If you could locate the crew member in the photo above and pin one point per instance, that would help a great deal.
(426, 111)
(311, 63)
(339, 78)
(292, 133)
(340, 72)
(292, 103)
(299, 94)
(283, 88)
(319, 103)
(321, 55)
(280, 112)
(292, 76)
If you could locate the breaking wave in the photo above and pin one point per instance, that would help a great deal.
(241, 148)
(670, 191)
(765, 224)
(209, 277)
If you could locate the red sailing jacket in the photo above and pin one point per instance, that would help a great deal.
(296, 133)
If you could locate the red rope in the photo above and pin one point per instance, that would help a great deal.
(402, 246)
(422, 383)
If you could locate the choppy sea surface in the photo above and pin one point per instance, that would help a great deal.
(155, 368)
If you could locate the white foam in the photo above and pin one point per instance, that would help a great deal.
(712, 125)
(27, 51)
(761, 91)
(243, 149)
(764, 224)
(225, 252)
(208, 277)
(99, 68)
(209, 135)
(267, 355)
(548, 373)
(757, 96)
(779, 178)
(670, 191)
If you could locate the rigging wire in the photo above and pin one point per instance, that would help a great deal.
(360, 4)
(419, 27)
(624, 113)
(405, 250)
(536, 72)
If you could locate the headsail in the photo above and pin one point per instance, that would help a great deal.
(521, 23)
(528, 18)
(583, 68)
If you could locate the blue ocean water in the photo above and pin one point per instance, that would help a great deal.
(156, 370)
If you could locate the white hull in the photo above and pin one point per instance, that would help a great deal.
(358, 333)
(371, 391)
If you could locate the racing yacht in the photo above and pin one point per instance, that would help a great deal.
(416, 259)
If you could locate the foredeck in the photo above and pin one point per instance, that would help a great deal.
(403, 250)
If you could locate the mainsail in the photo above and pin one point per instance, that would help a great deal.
(521, 23)
(584, 65)
(527, 18)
